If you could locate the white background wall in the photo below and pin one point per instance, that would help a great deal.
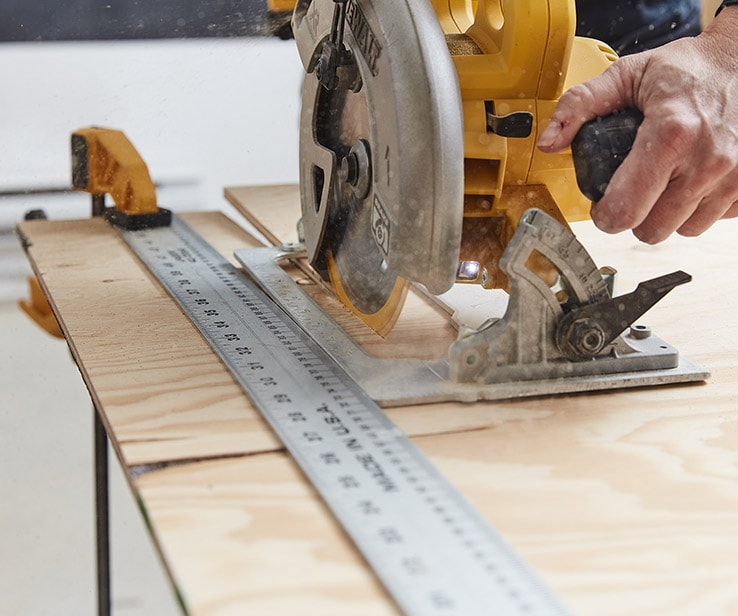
(203, 113)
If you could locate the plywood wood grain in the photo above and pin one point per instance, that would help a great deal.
(623, 512)
(262, 538)
(625, 502)
(285, 199)
(148, 369)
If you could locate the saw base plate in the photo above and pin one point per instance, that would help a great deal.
(402, 381)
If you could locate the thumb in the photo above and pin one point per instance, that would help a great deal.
(600, 96)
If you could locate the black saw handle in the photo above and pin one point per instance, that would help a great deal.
(600, 146)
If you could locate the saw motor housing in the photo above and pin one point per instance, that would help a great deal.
(514, 58)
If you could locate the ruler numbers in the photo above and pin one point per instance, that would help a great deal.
(431, 550)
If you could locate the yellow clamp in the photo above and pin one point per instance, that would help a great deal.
(39, 310)
(280, 6)
(104, 161)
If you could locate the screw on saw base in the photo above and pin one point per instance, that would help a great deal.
(640, 332)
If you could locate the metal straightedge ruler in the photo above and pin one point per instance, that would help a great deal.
(431, 550)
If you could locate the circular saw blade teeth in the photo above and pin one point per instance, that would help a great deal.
(386, 310)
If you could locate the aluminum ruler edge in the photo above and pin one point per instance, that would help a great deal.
(429, 547)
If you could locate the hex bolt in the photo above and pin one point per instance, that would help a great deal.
(587, 336)
(348, 171)
(356, 169)
(583, 339)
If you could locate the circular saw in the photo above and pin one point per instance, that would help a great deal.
(417, 139)
(381, 151)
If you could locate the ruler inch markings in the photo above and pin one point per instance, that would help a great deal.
(432, 551)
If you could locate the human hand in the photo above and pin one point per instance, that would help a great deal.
(682, 172)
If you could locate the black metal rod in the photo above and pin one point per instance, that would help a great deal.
(102, 517)
(98, 205)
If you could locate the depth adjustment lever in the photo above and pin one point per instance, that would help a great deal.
(584, 331)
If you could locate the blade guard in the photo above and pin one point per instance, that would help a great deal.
(416, 130)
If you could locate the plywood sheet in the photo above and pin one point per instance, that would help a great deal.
(625, 502)
(148, 370)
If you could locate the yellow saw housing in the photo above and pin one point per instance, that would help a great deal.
(280, 6)
(514, 56)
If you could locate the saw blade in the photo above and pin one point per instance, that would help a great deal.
(381, 152)
(354, 260)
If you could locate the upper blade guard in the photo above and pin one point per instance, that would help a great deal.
(414, 135)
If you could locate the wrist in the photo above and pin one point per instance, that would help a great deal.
(726, 22)
(724, 4)
(720, 40)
